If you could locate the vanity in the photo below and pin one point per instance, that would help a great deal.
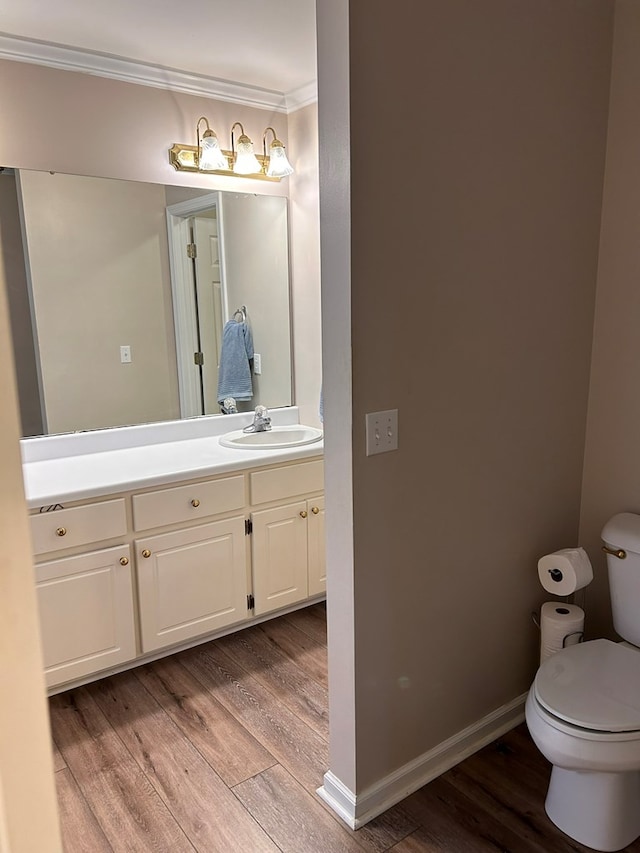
(153, 538)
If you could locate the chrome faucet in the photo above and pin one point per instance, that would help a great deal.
(261, 420)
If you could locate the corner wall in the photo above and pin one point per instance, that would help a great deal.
(28, 807)
(612, 458)
(472, 295)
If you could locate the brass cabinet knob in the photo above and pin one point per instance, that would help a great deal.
(61, 531)
(303, 514)
(146, 553)
(315, 510)
(195, 502)
(124, 561)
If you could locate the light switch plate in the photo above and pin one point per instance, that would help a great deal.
(257, 363)
(381, 431)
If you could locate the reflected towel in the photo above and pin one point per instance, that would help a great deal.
(234, 376)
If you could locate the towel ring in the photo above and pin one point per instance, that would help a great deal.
(243, 313)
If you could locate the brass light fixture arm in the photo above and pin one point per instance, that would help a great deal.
(264, 140)
(233, 141)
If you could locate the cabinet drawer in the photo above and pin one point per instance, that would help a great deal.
(187, 503)
(78, 525)
(281, 483)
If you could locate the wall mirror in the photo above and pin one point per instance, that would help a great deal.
(119, 292)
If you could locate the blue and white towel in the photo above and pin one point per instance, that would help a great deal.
(234, 375)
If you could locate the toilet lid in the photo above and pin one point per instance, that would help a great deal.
(594, 685)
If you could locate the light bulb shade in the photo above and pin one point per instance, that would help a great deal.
(279, 166)
(246, 161)
(211, 156)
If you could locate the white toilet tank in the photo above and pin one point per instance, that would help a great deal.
(621, 534)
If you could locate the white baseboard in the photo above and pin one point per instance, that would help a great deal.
(358, 809)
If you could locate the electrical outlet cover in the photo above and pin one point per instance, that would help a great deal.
(381, 431)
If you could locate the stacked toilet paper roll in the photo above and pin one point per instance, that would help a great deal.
(565, 571)
(561, 625)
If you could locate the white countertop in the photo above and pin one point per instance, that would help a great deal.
(109, 461)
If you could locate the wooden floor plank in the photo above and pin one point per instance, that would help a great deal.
(80, 830)
(208, 812)
(127, 807)
(229, 748)
(450, 821)
(58, 760)
(294, 745)
(311, 621)
(215, 723)
(288, 681)
(295, 820)
(307, 652)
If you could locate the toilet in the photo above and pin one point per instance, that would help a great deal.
(583, 713)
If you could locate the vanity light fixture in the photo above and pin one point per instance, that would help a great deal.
(279, 166)
(241, 161)
(245, 162)
(209, 153)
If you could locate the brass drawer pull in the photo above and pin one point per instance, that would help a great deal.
(615, 552)
(61, 531)
(146, 553)
(195, 502)
(315, 510)
(124, 561)
(303, 514)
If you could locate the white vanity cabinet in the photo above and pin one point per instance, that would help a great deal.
(125, 578)
(85, 600)
(287, 539)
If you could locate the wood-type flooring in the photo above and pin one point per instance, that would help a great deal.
(220, 749)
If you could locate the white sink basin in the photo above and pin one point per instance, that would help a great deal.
(273, 439)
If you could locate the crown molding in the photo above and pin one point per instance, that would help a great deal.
(64, 58)
(302, 97)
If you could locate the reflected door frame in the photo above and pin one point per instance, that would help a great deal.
(182, 289)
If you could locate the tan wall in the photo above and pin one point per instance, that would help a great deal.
(99, 266)
(612, 457)
(28, 816)
(472, 296)
(305, 262)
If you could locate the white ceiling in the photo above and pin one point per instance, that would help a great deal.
(258, 44)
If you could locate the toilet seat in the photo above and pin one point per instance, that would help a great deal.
(593, 686)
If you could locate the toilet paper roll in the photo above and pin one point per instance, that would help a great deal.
(565, 571)
(561, 625)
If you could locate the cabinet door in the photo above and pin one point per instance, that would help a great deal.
(317, 570)
(86, 613)
(191, 582)
(279, 556)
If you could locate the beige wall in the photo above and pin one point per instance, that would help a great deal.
(28, 816)
(472, 296)
(99, 268)
(612, 458)
(305, 262)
